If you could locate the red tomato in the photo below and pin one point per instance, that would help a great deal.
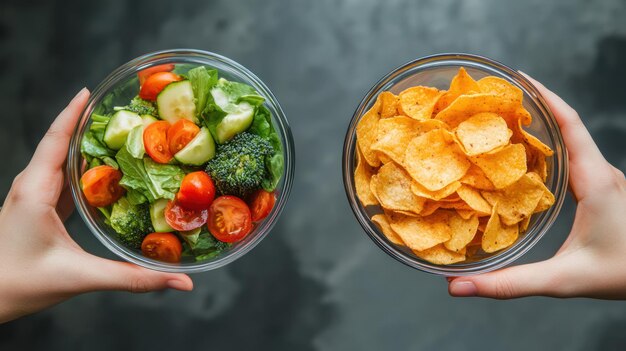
(155, 141)
(101, 185)
(229, 219)
(196, 191)
(181, 218)
(145, 73)
(261, 204)
(180, 134)
(162, 246)
(155, 83)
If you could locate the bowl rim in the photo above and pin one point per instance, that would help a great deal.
(200, 57)
(500, 258)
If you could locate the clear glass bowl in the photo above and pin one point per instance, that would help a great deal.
(437, 71)
(123, 77)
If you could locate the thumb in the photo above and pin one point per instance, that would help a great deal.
(106, 274)
(541, 278)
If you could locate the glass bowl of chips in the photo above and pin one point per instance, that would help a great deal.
(453, 164)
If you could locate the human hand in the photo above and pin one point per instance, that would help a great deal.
(40, 264)
(592, 261)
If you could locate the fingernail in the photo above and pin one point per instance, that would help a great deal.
(80, 93)
(463, 288)
(177, 284)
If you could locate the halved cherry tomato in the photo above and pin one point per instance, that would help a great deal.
(101, 185)
(229, 219)
(261, 204)
(180, 134)
(155, 83)
(155, 141)
(162, 246)
(145, 73)
(181, 218)
(196, 191)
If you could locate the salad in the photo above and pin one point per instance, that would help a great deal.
(186, 166)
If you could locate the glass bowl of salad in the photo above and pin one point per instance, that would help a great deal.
(182, 161)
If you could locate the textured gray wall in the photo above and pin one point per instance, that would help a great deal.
(317, 282)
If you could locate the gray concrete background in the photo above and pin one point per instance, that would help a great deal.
(317, 282)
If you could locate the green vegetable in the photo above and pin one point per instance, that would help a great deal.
(150, 179)
(275, 163)
(238, 167)
(131, 222)
(134, 142)
(202, 80)
(230, 109)
(139, 106)
(204, 247)
(98, 125)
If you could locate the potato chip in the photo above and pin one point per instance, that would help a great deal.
(466, 106)
(389, 104)
(518, 200)
(504, 167)
(418, 102)
(476, 178)
(547, 199)
(362, 177)
(533, 141)
(461, 84)
(446, 191)
(500, 87)
(394, 134)
(434, 160)
(384, 159)
(462, 231)
(497, 235)
(440, 255)
(483, 132)
(457, 205)
(474, 200)
(393, 189)
(421, 233)
(366, 133)
(383, 224)
(523, 225)
(430, 207)
(465, 214)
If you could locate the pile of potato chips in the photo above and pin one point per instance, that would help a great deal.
(453, 171)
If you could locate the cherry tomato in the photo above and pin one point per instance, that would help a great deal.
(196, 191)
(155, 83)
(181, 218)
(162, 246)
(180, 134)
(229, 219)
(145, 73)
(155, 141)
(101, 185)
(261, 204)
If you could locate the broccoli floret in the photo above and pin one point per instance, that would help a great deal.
(140, 107)
(131, 222)
(239, 165)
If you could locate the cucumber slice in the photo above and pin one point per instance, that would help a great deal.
(120, 124)
(191, 236)
(157, 216)
(199, 150)
(235, 122)
(176, 101)
(148, 120)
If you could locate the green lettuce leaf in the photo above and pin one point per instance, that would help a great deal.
(274, 163)
(205, 247)
(150, 179)
(202, 80)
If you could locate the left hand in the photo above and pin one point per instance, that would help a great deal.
(40, 264)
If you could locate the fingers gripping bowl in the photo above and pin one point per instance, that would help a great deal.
(182, 161)
(439, 161)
